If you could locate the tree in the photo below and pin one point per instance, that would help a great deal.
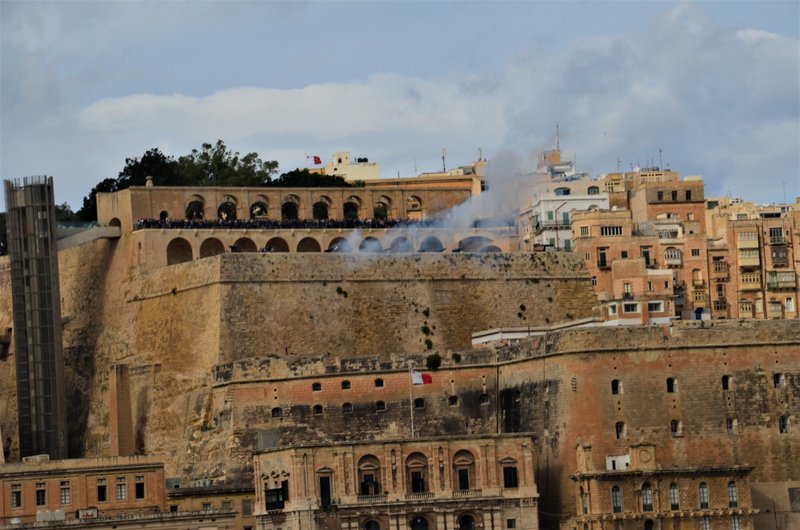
(64, 213)
(88, 211)
(303, 178)
(3, 242)
(154, 163)
(215, 165)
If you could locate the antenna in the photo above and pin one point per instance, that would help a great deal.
(415, 167)
(444, 156)
(619, 162)
(558, 139)
(480, 154)
(660, 160)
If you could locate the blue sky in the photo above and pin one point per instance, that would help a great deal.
(714, 85)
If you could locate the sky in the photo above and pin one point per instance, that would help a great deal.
(704, 88)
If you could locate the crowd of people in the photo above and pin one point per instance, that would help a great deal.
(284, 224)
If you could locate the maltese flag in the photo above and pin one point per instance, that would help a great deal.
(314, 160)
(418, 378)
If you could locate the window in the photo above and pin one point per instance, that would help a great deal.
(619, 430)
(731, 425)
(347, 408)
(567, 245)
(102, 491)
(139, 487)
(317, 410)
(511, 523)
(688, 195)
(227, 506)
(733, 495)
(601, 258)
(623, 254)
(206, 506)
(345, 385)
(706, 523)
(122, 489)
(610, 230)
(561, 191)
(379, 383)
(674, 195)
(41, 494)
(626, 288)
(65, 493)
(593, 190)
(675, 427)
(735, 522)
(790, 305)
(672, 385)
(695, 252)
(594, 281)
(616, 387)
(616, 499)
(660, 195)
(452, 401)
(674, 497)
(647, 498)
(419, 403)
(16, 495)
(779, 380)
(655, 307)
(612, 309)
(726, 382)
(584, 231)
(247, 507)
(703, 492)
(584, 504)
(783, 424)
(549, 215)
(630, 307)
(672, 254)
(510, 478)
(380, 406)
(484, 399)
(316, 387)
(277, 412)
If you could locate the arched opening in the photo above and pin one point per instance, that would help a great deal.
(227, 211)
(320, 210)
(164, 215)
(211, 247)
(463, 470)
(372, 525)
(616, 387)
(431, 244)
(593, 190)
(178, 251)
(289, 211)
(417, 472)
(245, 244)
(466, 522)
(114, 222)
(258, 210)
(277, 244)
(649, 524)
(561, 191)
(195, 210)
(350, 210)
(419, 523)
(277, 412)
(647, 497)
(491, 248)
(339, 244)
(370, 244)
(369, 475)
(383, 208)
(308, 244)
(473, 243)
(413, 207)
(401, 244)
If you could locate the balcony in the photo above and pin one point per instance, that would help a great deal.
(372, 499)
(782, 280)
(750, 282)
(747, 243)
(698, 298)
(749, 261)
(551, 225)
(698, 283)
(720, 305)
(673, 262)
(720, 270)
(467, 493)
(777, 240)
(420, 496)
(774, 311)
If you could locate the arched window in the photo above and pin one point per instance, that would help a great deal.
(673, 256)
(619, 430)
(593, 190)
(733, 495)
(380, 406)
(227, 211)
(317, 410)
(320, 210)
(417, 473)
(647, 497)
(258, 210)
(195, 209)
(466, 522)
(463, 470)
(350, 210)
(561, 191)
(672, 385)
(289, 211)
(277, 412)
(616, 499)
(674, 497)
(178, 251)
(345, 385)
(347, 408)
(316, 387)
(372, 525)
(703, 494)
(616, 387)
(369, 475)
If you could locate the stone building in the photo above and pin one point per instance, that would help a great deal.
(458, 483)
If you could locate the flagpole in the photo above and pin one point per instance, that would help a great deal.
(410, 399)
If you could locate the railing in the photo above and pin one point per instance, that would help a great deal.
(422, 495)
(369, 499)
(543, 225)
(699, 283)
(673, 262)
(467, 493)
(721, 267)
(777, 240)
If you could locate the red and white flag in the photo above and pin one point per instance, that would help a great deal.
(314, 160)
(418, 378)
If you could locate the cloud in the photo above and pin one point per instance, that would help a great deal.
(719, 101)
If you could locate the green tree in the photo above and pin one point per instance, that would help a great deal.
(216, 165)
(154, 163)
(64, 213)
(303, 178)
(88, 211)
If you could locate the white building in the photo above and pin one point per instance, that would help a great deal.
(361, 169)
